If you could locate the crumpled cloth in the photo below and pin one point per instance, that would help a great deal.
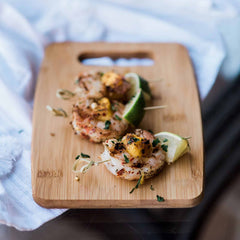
(26, 27)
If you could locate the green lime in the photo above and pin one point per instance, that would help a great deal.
(138, 82)
(176, 145)
(134, 109)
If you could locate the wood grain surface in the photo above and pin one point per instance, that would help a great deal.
(173, 84)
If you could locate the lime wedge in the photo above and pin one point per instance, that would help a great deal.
(138, 82)
(134, 109)
(177, 146)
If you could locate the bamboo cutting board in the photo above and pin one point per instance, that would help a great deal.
(53, 183)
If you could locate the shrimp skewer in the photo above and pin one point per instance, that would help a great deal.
(90, 86)
(98, 113)
(139, 155)
(99, 85)
(134, 156)
(97, 122)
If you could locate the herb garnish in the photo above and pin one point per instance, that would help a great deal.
(113, 142)
(101, 74)
(152, 188)
(85, 168)
(155, 142)
(134, 139)
(57, 111)
(82, 155)
(20, 131)
(150, 131)
(119, 139)
(113, 107)
(165, 140)
(164, 147)
(77, 81)
(126, 158)
(160, 199)
(118, 118)
(64, 94)
(137, 185)
(107, 124)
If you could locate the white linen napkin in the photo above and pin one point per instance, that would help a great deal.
(26, 27)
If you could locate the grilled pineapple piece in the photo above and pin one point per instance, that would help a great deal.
(137, 146)
(111, 79)
(103, 108)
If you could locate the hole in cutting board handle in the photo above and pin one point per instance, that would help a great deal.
(117, 59)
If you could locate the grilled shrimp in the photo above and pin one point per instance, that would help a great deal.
(99, 120)
(90, 86)
(98, 85)
(98, 115)
(133, 156)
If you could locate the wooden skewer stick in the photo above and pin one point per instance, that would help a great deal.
(155, 81)
(155, 107)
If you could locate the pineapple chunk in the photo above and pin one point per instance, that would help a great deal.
(103, 109)
(111, 79)
(137, 146)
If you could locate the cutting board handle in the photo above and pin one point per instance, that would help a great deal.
(115, 55)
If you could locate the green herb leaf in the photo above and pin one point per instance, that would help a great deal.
(77, 157)
(165, 140)
(20, 131)
(118, 118)
(101, 74)
(150, 131)
(126, 158)
(155, 142)
(64, 94)
(113, 107)
(137, 185)
(160, 199)
(133, 140)
(113, 142)
(84, 155)
(77, 81)
(152, 188)
(107, 124)
(164, 147)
